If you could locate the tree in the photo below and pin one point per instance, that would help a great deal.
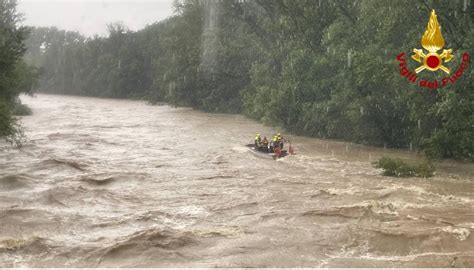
(15, 76)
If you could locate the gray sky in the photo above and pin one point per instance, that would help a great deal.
(91, 17)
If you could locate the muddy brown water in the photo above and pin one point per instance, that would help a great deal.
(115, 183)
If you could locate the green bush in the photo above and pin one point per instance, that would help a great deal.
(425, 169)
(10, 129)
(398, 168)
(21, 110)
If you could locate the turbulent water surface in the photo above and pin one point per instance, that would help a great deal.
(107, 183)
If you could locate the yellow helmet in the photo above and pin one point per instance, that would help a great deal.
(278, 134)
(258, 135)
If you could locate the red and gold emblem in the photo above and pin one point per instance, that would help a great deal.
(432, 41)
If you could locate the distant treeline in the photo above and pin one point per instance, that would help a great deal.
(323, 68)
(15, 75)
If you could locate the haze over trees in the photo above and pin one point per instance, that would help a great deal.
(15, 75)
(318, 68)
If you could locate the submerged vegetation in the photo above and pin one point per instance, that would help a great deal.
(21, 109)
(15, 75)
(323, 68)
(398, 168)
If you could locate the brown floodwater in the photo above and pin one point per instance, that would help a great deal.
(117, 183)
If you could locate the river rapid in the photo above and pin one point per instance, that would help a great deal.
(117, 183)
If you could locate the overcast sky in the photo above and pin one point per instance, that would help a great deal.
(91, 17)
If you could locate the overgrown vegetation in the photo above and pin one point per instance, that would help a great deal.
(321, 68)
(398, 168)
(21, 109)
(15, 75)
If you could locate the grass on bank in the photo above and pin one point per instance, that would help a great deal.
(398, 168)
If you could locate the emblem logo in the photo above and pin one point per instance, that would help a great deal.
(432, 41)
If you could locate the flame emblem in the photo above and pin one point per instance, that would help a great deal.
(432, 41)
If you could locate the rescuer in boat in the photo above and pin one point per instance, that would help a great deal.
(280, 140)
(264, 145)
(258, 141)
(277, 144)
(274, 144)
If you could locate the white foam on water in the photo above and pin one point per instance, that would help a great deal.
(346, 191)
(192, 211)
(239, 149)
(467, 225)
(406, 258)
(444, 197)
(460, 233)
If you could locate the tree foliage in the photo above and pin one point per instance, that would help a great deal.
(15, 76)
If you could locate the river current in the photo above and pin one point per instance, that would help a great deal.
(117, 183)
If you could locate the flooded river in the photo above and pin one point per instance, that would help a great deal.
(116, 183)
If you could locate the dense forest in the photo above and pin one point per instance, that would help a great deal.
(323, 68)
(15, 75)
